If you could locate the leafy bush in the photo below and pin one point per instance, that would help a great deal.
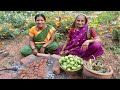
(66, 23)
(59, 36)
(24, 32)
(24, 20)
(115, 48)
(116, 34)
(106, 17)
(17, 19)
(8, 31)
(30, 24)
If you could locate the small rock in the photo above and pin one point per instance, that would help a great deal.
(4, 54)
(28, 59)
(2, 51)
(56, 68)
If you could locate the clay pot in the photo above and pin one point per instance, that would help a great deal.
(88, 73)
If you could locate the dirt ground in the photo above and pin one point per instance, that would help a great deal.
(13, 47)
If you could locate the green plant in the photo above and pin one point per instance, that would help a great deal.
(59, 36)
(30, 24)
(24, 32)
(106, 17)
(51, 21)
(18, 21)
(7, 31)
(65, 25)
(115, 48)
(116, 34)
(1, 21)
(16, 18)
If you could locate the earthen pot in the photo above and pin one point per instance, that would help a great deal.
(88, 73)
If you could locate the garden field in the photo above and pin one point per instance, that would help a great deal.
(15, 25)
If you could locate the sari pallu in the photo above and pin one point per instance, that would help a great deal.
(76, 40)
(27, 50)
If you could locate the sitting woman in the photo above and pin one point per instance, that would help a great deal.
(82, 40)
(41, 38)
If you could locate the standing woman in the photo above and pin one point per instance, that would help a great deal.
(82, 41)
(41, 38)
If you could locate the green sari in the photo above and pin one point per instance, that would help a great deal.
(27, 50)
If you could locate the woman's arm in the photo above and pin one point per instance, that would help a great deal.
(65, 43)
(62, 53)
(94, 38)
(97, 38)
(32, 44)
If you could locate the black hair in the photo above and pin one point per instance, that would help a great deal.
(73, 25)
(40, 15)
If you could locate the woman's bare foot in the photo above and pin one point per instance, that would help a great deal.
(56, 56)
(44, 55)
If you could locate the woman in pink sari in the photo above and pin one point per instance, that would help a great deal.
(82, 40)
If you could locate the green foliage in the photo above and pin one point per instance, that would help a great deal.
(7, 31)
(30, 24)
(24, 20)
(59, 36)
(106, 17)
(116, 34)
(65, 24)
(51, 21)
(18, 21)
(115, 48)
(24, 32)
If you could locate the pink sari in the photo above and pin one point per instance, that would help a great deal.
(77, 38)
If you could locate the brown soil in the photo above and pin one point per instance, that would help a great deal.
(14, 47)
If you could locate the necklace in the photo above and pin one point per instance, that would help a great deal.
(42, 28)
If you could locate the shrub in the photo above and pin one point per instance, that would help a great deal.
(8, 31)
(116, 34)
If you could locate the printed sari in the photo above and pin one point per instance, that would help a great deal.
(77, 38)
(27, 50)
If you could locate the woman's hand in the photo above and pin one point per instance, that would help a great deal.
(35, 52)
(42, 49)
(62, 53)
(84, 46)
